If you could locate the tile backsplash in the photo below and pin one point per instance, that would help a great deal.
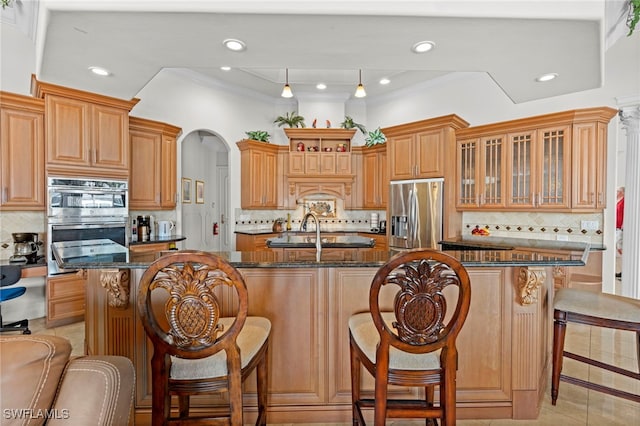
(23, 221)
(536, 225)
(246, 220)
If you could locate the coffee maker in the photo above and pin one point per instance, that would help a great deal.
(25, 247)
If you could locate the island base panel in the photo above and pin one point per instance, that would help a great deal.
(309, 309)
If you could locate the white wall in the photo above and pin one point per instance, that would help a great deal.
(175, 98)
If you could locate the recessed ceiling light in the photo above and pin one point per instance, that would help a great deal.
(422, 46)
(225, 68)
(321, 86)
(99, 71)
(547, 77)
(385, 80)
(234, 44)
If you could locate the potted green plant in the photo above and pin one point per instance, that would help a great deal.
(376, 137)
(291, 119)
(348, 123)
(259, 135)
(634, 15)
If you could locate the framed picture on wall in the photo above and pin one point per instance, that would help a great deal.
(199, 192)
(186, 190)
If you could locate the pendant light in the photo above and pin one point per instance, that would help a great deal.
(360, 92)
(286, 90)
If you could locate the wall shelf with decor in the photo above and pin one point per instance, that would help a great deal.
(319, 151)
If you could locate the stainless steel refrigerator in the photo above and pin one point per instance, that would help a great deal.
(416, 213)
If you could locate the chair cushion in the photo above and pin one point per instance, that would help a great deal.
(95, 391)
(30, 369)
(250, 339)
(601, 305)
(9, 274)
(366, 336)
(11, 293)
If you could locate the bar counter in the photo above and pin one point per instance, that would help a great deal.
(504, 346)
(535, 254)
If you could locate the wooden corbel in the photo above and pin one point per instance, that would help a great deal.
(116, 282)
(529, 282)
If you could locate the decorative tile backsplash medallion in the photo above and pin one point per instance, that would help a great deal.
(541, 226)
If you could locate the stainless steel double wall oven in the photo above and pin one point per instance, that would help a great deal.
(82, 209)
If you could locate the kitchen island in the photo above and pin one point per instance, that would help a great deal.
(504, 347)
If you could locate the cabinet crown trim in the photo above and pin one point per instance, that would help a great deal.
(136, 123)
(251, 143)
(23, 102)
(601, 114)
(39, 89)
(451, 120)
(314, 133)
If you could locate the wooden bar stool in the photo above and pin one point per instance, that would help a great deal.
(595, 309)
(415, 345)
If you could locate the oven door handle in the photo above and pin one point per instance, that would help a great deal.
(89, 225)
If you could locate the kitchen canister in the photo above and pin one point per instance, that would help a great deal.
(374, 221)
(165, 227)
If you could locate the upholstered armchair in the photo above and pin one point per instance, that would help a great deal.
(40, 382)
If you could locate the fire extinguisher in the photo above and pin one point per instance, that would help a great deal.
(216, 228)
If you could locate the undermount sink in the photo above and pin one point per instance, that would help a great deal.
(323, 240)
(305, 241)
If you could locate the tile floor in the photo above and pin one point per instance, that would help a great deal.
(576, 406)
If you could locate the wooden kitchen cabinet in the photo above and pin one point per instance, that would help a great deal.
(326, 168)
(481, 162)
(147, 252)
(419, 149)
(382, 242)
(539, 168)
(85, 133)
(589, 159)
(152, 178)
(248, 242)
(22, 178)
(258, 174)
(375, 182)
(332, 155)
(420, 155)
(553, 162)
(261, 177)
(65, 298)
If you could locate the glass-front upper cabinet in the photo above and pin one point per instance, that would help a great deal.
(555, 157)
(480, 163)
(538, 168)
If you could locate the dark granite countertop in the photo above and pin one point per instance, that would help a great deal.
(498, 243)
(41, 262)
(308, 241)
(154, 239)
(264, 231)
(373, 258)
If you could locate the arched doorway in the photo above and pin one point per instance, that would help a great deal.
(205, 165)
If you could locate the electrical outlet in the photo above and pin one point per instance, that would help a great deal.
(562, 237)
(589, 225)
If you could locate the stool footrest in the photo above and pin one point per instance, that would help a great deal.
(602, 365)
(404, 408)
(600, 388)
